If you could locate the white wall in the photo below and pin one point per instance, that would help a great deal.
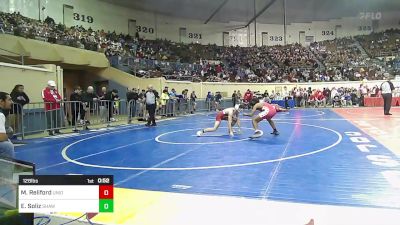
(228, 88)
(28, 8)
(112, 17)
(389, 20)
(34, 79)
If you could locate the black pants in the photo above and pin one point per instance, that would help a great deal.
(298, 101)
(110, 107)
(132, 109)
(77, 113)
(286, 102)
(362, 100)
(54, 119)
(151, 108)
(387, 102)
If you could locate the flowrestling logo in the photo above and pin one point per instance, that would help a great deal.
(370, 15)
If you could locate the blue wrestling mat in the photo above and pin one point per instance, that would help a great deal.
(313, 160)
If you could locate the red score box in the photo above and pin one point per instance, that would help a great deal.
(106, 192)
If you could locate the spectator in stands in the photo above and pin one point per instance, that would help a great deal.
(292, 63)
(54, 115)
(49, 21)
(2, 25)
(20, 99)
(6, 147)
(77, 108)
(151, 105)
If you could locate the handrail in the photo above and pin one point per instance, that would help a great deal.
(13, 60)
(10, 51)
(22, 62)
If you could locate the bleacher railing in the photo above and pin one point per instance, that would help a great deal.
(75, 116)
(136, 64)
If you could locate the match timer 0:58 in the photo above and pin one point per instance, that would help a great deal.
(103, 180)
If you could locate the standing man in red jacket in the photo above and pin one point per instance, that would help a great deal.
(248, 96)
(52, 100)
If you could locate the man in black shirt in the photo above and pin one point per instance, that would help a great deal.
(142, 94)
(20, 99)
(142, 105)
(132, 97)
(77, 109)
(327, 94)
(110, 97)
(184, 101)
(193, 98)
(90, 98)
(234, 98)
(218, 99)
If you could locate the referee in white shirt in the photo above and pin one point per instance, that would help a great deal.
(387, 88)
(151, 105)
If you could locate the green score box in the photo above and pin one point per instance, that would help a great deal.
(106, 205)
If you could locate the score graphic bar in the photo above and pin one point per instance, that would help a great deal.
(65, 193)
